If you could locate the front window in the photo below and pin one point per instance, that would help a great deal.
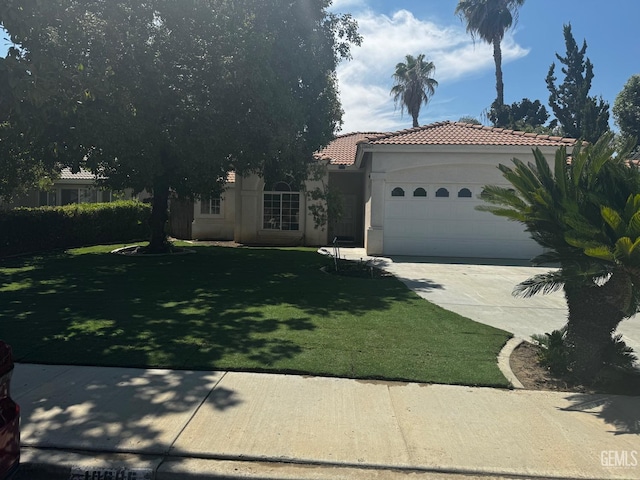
(281, 208)
(78, 195)
(47, 199)
(211, 206)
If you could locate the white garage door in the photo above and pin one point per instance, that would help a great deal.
(423, 220)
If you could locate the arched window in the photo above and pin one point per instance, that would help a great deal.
(464, 193)
(281, 187)
(442, 192)
(419, 192)
(281, 208)
(397, 192)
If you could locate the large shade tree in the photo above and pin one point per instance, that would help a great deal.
(414, 85)
(586, 214)
(171, 96)
(580, 115)
(489, 20)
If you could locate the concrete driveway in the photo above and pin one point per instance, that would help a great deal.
(482, 292)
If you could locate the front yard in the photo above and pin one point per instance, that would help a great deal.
(258, 309)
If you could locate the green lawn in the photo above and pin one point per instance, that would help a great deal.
(222, 308)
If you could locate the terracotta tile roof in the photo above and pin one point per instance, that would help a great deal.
(66, 174)
(342, 150)
(457, 133)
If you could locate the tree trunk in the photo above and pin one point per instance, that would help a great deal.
(159, 216)
(592, 320)
(497, 58)
(415, 121)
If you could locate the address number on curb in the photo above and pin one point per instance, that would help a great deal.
(80, 473)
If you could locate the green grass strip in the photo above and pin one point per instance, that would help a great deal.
(255, 309)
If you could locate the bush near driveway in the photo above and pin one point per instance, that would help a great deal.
(222, 308)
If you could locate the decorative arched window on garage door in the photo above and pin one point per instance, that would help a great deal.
(419, 192)
(397, 192)
(442, 192)
(464, 193)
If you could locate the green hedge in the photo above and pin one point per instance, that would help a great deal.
(24, 230)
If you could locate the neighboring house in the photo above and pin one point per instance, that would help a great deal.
(69, 188)
(411, 192)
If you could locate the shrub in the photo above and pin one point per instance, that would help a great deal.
(619, 354)
(554, 353)
(24, 230)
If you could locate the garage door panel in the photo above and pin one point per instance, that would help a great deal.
(452, 227)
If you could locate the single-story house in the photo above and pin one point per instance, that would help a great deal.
(69, 188)
(411, 192)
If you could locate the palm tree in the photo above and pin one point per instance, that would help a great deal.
(490, 20)
(586, 213)
(414, 85)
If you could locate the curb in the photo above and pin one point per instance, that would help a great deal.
(53, 464)
(503, 361)
(59, 464)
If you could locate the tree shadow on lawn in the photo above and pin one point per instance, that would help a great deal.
(179, 312)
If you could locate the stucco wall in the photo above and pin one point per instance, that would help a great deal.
(215, 227)
(248, 218)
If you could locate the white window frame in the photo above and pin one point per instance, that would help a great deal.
(211, 207)
(275, 220)
(83, 194)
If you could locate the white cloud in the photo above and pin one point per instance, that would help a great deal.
(365, 81)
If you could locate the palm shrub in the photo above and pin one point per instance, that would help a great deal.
(585, 212)
(554, 354)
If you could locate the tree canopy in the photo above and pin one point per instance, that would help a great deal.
(414, 85)
(626, 108)
(524, 115)
(171, 96)
(579, 115)
(490, 20)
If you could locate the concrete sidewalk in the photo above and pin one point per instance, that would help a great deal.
(204, 425)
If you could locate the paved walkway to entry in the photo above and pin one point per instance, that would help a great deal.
(482, 291)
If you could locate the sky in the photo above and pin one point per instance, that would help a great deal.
(465, 70)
